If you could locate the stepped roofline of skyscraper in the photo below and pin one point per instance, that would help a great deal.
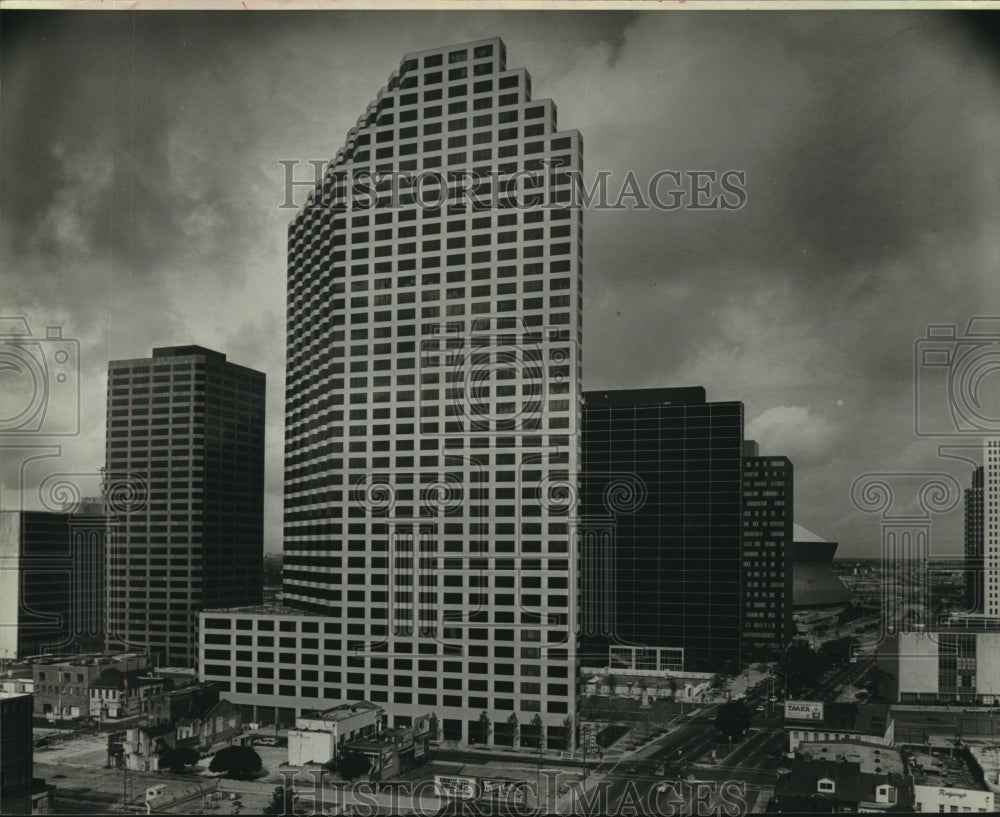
(455, 47)
(613, 398)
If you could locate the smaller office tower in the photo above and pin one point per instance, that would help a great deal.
(974, 541)
(52, 580)
(767, 548)
(186, 430)
(991, 529)
(662, 467)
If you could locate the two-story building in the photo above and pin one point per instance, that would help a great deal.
(62, 685)
(949, 781)
(844, 776)
(816, 721)
(318, 734)
(209, 726)
(117, 694)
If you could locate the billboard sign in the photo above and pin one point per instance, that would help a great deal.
(460, 788)
(405, 739)
(510, 791)
(804, 710)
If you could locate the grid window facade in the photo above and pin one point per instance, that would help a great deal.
(189, 426)
(991, 529)
(974, 544)
(433, 389)
(767, 549)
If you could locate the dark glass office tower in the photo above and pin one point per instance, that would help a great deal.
(677, 541)
(52, 587)
(767, 548)
(186, 435)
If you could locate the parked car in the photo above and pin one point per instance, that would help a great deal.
(265, 742)
(631, 769)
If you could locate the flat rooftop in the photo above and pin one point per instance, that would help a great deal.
(269, 609)
(940, 769)
(873, 759)
(339, 713)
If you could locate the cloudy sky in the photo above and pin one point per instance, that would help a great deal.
(142, 189)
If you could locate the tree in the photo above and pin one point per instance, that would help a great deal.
(733, 719)
(538, 728)
(672, 684)
(836, 653)
(483, 728)
(352, 764)
(240, 762)
(282, 802)
(512, 720)
(175, 759)
(800, 666)
(432, 723)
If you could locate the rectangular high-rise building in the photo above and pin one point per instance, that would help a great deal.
(974, 539)
(991, 529)
(52, 580)
(433, 401)
(663, 483)
(185, 482)
(767, 548)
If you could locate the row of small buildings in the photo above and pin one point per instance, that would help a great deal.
(843, 757)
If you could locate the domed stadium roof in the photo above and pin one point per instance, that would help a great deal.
(814, 584)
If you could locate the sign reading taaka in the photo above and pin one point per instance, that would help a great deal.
(804, 710)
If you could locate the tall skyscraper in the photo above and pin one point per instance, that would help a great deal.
(677, 544)
(767, 548)
(52, 581)
(991, 529)
(433, 400)
(186, 428)
(974, 543)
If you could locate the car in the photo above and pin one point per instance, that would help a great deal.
(265, 742)
(760, 708)
(631, 769)
(661, 770)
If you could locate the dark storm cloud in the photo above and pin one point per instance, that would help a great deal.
(142, 184)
